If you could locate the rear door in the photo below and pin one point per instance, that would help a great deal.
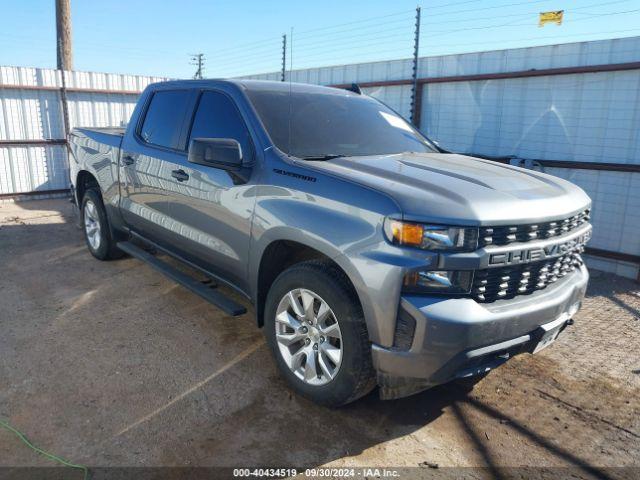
(210, 209)
(146, 159)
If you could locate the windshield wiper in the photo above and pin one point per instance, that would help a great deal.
(324, 156)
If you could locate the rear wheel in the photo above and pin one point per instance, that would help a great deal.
(96, 229)
(316, 331)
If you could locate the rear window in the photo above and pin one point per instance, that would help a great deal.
(164, 118)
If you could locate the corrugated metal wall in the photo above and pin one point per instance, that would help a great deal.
(586, 117)
(30, 109)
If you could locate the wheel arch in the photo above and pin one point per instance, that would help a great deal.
(281, 254)
(84, 181)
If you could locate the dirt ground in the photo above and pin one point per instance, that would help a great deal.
(111, 364)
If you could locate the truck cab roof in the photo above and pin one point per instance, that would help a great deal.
(254, 85)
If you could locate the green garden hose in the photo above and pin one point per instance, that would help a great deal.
(50, 456)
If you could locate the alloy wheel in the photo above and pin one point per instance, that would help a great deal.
(92, 225)
(308, 336)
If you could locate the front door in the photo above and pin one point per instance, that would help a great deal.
(211, 210)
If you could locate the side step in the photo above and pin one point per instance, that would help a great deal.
(211, 295)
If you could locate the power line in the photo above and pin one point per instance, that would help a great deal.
(261, 42)
(554, 38)
(334, 40)
(449, 4)
(263, 51)
(376, 32)
(492, 17)
(510, 24)
(365, 20)
(128, 49)
(409, 15)
(353, 37)
(272, 40)
(401, 21)
(597, 5)
(330, 62)
(352, 23)
(356, 47)
(275, 54)
(353, 50)
(314, 63)
(322, 45)
(381, 56)
(490, 8)
(592, 15)
(359, 47)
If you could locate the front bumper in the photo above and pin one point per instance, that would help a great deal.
(458, 337)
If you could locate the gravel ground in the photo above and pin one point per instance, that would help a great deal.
(111, 364)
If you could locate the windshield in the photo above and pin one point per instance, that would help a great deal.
(334, 124)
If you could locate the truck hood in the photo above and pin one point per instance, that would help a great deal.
(451, 188)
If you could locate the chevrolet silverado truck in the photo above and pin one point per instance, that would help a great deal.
(371, 256)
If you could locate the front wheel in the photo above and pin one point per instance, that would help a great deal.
(317, 333)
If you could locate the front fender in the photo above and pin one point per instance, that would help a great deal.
(349, 236)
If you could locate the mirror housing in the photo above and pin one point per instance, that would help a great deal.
(224, 153)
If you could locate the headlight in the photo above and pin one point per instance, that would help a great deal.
(423, 281)
(431, 237)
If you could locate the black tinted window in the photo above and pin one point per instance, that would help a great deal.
(307, 124)
(218, 117)
(164, 117)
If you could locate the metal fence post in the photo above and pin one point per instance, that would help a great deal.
(284, 57)
(416, 93)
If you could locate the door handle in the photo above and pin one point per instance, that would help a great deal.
(180, 175)
(128, 160)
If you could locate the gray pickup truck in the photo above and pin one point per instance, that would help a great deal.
(371, 256)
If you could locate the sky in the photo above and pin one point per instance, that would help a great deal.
(240, 37)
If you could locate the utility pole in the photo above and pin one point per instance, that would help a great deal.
(63, 30)
(416, 93)
(284, 57)
(198, 60)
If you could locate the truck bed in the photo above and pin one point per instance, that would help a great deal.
(110, 136)
(108, 130)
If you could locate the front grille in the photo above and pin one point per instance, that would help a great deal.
(507, 282)
(505, 235)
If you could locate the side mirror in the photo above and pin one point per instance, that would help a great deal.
(224, 153)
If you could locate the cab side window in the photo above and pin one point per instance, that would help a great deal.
(218, 117)
(164, 118)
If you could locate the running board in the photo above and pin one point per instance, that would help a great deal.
(211, 295)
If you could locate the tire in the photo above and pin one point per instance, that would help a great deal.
(335, 383)
(95, 225)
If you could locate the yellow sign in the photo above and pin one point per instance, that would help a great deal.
(551, 17)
